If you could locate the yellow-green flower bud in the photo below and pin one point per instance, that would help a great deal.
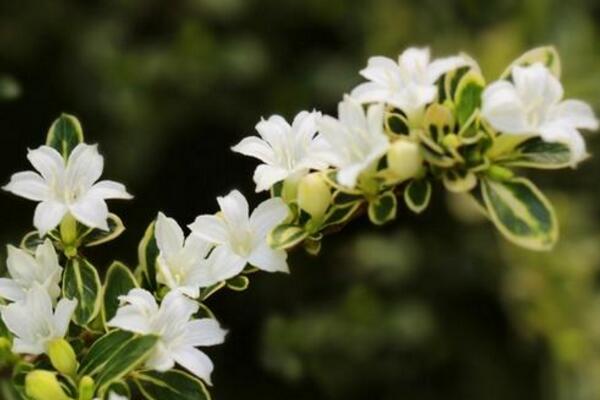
(404, 159)
(43, 385)
(86, 388)
(62, 356)
(314, 195)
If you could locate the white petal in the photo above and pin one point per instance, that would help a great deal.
(235, 209)
(265, 176)
(222, 264)
(160, 359)
(348, 176)
(29, 185)
(414, 60)
(46, 256)
(142, 299)
(22, 346)
(370, 92)
(267, 259)
(194, 361)
(62, 315)
(535, 82)
(575, 113)
(380, 69)
(129, 318)
(84, 166)
(255, 147)
(503, 109)
(204, 332)
(267, 215)
(210, 228)
(47, 161)
(48, 215)
(564, 133)
(110, 190)
(10, 290)
(442, 65)
(169, 236)
(175, 309)
(304, 127)
(21, 266)
(91, 210)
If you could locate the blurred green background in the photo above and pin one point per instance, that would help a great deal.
(430, 307)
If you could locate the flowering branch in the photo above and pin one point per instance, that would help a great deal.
(67, 334)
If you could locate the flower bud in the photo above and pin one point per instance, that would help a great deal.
(62, 357)
(404, 159)
(43, 385)
(86, 388)
(314, 195)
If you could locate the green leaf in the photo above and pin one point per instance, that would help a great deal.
(468, 96)
(147, 255)
(537, 153)
(459, 181)
(285, 236)
(117, 387)
(119, 281)
(238, 283)
(340, 198)
(81, 282)
(340, 214)
(94, 237)
(205, 293)
(31, 241)
(383, 208)
(312, 245)
(114, 355)
(417, 195)
(521, 212)
(546, 55)
(64, 134)
(173, 384)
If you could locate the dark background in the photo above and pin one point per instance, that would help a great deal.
(430, 307)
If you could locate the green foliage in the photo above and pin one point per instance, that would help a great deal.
(521, 212)
(546, 55)
(81, 282)
(468, 96)
(417, 195)
(147, 254)
(119, 281)
(383, 208)
(537, 153)
(64, 134)
(238, 283)
(172, 384)
(114, 355)
(286, 236)
(94, 237)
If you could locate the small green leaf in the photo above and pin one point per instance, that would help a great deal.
(238, 283)
(521, 212)
(546, 55)
(147, 255)
(81, 282)
(94, 237)
(114, 355)
(537, 153)
(31, 241)
(312, 245)
(417, 195)
(285, 236)
(65, 134)
(117, 387)
(173, 384)
(383, 208)
(459, 181)
(468, 96)
(205, 293)
(342, 198)
(340, 214)
(119, 281)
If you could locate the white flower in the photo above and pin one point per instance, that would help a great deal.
(183, 262)
(408, 84)
(356, 139)
(531, 105)
(240, 238)
(178, 336)
(285, 150)
(61, 187)
(33, 322)
(27, 271)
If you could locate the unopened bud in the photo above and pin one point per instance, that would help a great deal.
(68, 230)
(43, 385)
(404, 159)
(314, 195)
(499, 173)
(62, 356)
(86, 388)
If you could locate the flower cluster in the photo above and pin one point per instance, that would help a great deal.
(414, 122)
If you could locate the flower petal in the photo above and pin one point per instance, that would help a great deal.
(266, 216)
(47, 161)
(235, 209)
(534, 83)
(169, 236)
(160, 359)
(48, 215)
(370, 92)
(267, 259)
(442, 65)
(265, 176)
(84, 166)
(110, 190)
(503, 109)
(194, 361)
(62, 315)
(255, 147)
(210, 228)
(222, 264)
(575, 113)
(91, 210)
(204, 332)
(381, 69)
(10, 290)
(29, 185)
